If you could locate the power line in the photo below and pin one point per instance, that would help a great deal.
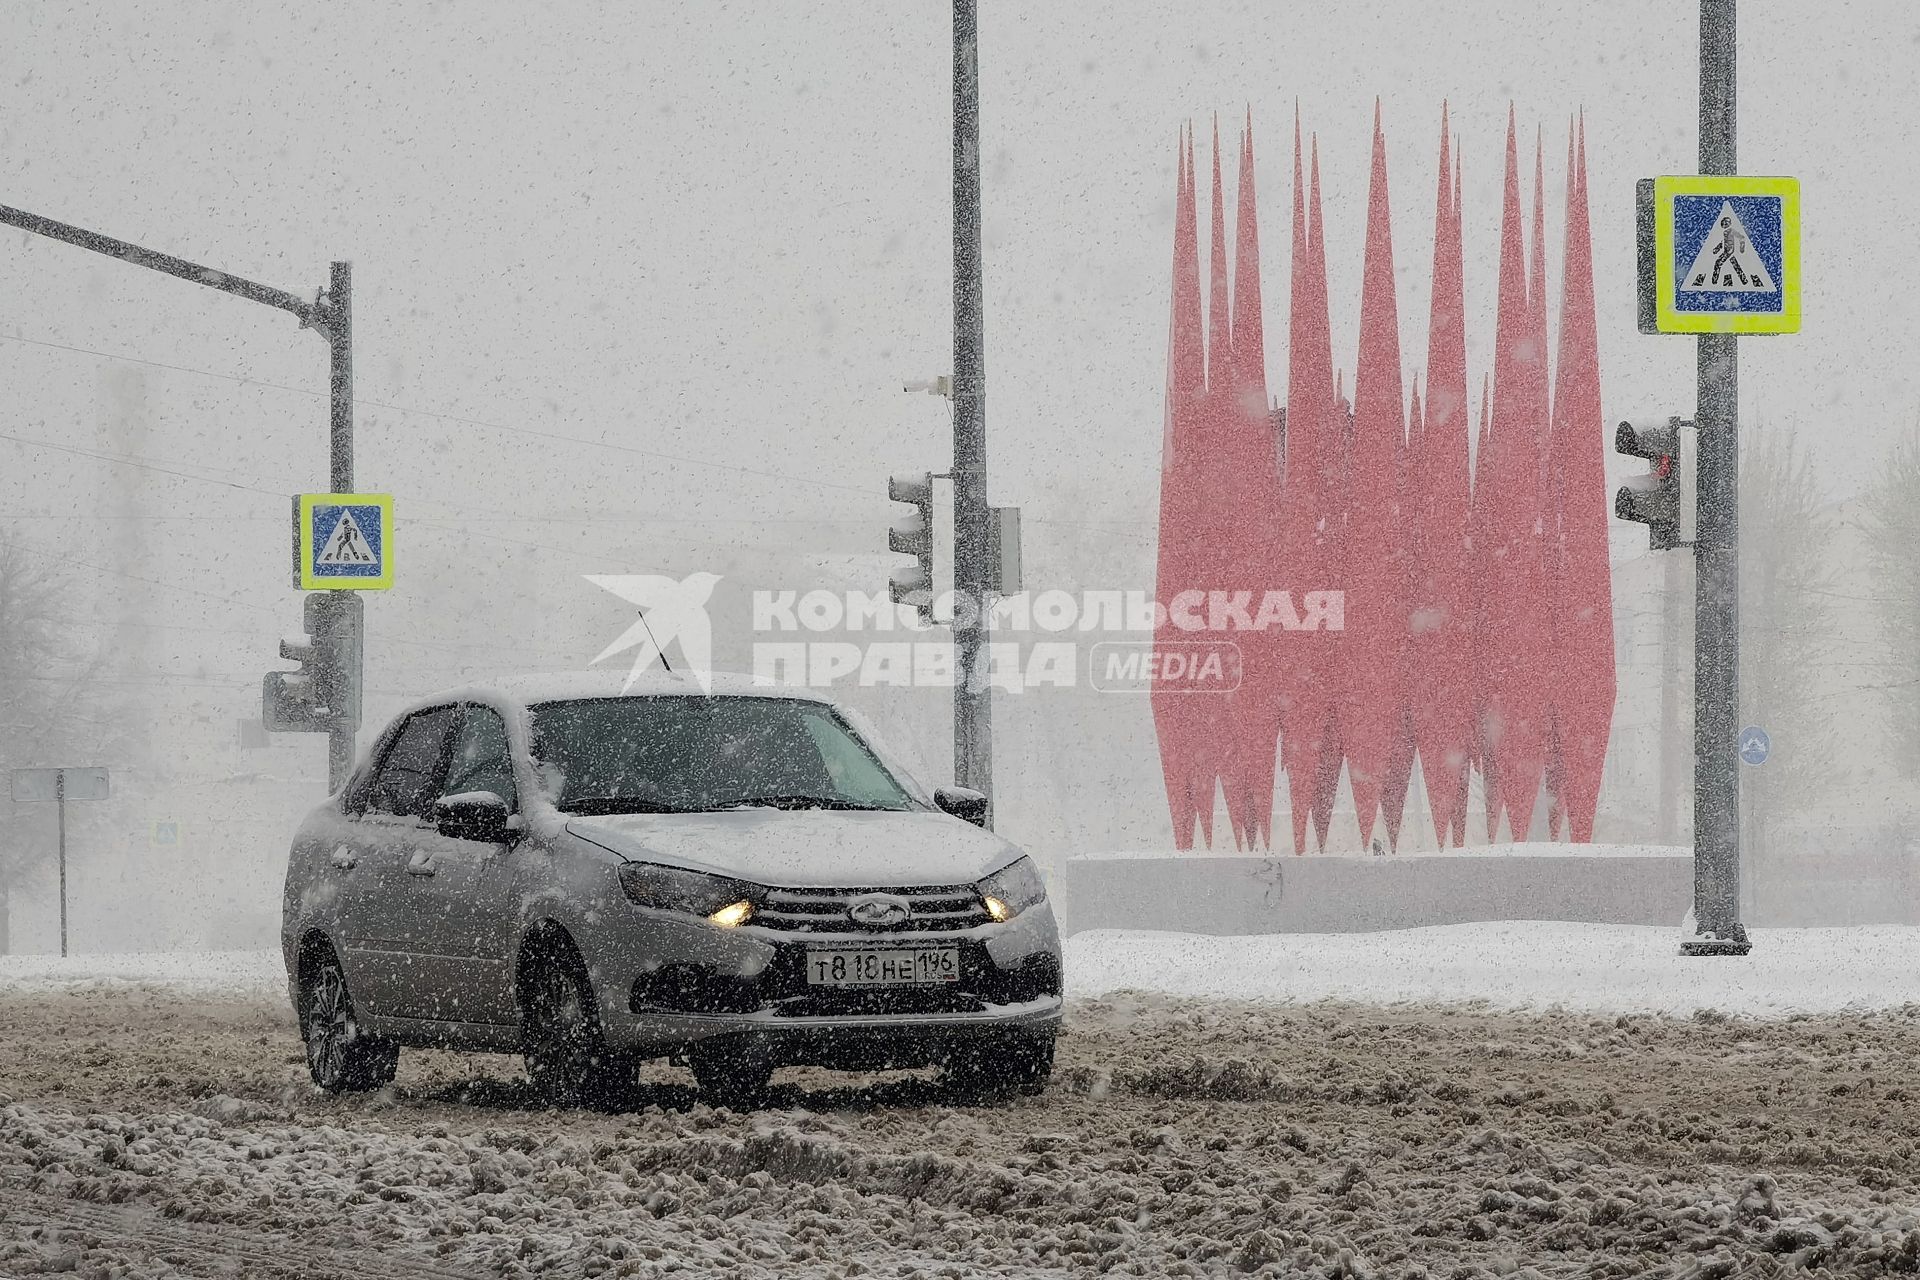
(131, 577)
(144, 466)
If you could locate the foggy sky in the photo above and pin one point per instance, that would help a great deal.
(716, 237)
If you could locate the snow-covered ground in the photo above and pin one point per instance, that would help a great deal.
(1516, 964)
(150, 1133)
(241, 974)
(1523, 964)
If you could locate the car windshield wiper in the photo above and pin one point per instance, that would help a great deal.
(621, 804)
(802, 801)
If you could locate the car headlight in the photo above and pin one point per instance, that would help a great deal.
(1012, 889)
(724, 902)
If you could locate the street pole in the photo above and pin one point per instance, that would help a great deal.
(60, 805)
(972, 704)
(1716, 642)
(339, 334)
(330, 315)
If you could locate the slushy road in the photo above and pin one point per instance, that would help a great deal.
(159, 1132)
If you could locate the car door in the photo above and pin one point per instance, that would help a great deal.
(338, 891)
(383, 929)
(461, 890)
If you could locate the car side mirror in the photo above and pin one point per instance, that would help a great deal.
(472, 815)
(963, 803)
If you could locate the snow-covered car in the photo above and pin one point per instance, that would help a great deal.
(735, 878)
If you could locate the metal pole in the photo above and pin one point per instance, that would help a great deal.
(225, 281)
(332, 317)
(1716, 616)
(972, 705)
(340, 339)
(60, 803)
(340, 737)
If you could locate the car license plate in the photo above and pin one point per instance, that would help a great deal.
(883, 967)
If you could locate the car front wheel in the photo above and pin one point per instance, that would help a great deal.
(567, 1056)
(341, 1057)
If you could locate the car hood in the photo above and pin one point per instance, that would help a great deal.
(807, 847)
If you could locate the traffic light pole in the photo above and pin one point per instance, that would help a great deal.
(972, 705)
(339, 334)
(1716, 663)
(330, 314)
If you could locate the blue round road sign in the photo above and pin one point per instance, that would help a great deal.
(1755, 745)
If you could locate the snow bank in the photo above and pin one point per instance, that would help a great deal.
(1515, 964)
(236, 973)
(1519, 964)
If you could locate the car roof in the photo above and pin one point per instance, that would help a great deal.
(566, 686)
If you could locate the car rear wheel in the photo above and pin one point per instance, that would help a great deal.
(991, 1068)
(341, 1057)
(567, 1056)
(729, 1077)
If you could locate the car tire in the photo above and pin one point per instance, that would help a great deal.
(341, 1057)
(729, 1077)
(994, 1068)
(566, 1054)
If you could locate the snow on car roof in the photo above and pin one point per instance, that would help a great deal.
(526, 690)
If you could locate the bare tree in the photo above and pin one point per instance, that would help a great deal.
(1892, 527)
(48, 703)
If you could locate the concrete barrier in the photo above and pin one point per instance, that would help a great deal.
(1242, 895)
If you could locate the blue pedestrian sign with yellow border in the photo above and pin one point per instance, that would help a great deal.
(1726, 255)
(343, 541)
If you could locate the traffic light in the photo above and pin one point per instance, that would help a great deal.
(1666, 499)
(325, 692)
(912, 534)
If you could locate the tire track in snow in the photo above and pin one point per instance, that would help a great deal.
(92, 1235)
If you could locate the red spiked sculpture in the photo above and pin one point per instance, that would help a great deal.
(1583, 595)
(1442, 674)
(1478, 599)
(1517, 640)
(1188, 761)
(1251, 479)
(1373, 648)
(1307, 544)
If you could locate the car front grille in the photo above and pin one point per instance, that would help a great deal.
(932, 909)
(783, 990)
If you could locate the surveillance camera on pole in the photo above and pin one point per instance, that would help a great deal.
(912, 534)
(1666, 499)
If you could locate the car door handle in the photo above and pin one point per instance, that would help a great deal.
(345, 859)
(422, 869)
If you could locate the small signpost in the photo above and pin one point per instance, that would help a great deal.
(60, 785)
(1719, 258)
(343, 541)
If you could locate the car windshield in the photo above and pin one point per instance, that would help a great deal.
(686, 754)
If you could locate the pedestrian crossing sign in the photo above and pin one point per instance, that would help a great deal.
(1726, 255)
(343, 541)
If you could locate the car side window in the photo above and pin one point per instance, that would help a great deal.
(406, 784)
(481, 759)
